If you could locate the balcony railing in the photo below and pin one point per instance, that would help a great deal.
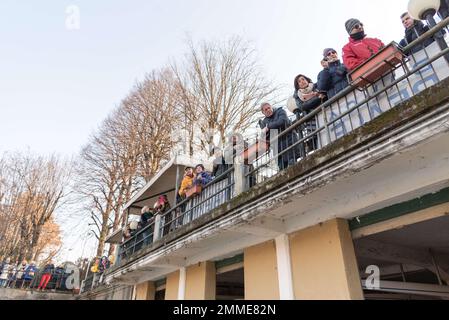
(213, 195)
(354, 107)
(350, 109)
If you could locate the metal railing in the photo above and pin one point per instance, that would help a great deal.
(213, 195)
(353, 107)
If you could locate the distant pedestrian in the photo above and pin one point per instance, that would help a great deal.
(360, 48)
(6, 266)
(46, 276)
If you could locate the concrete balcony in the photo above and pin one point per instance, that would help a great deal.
(384, 145)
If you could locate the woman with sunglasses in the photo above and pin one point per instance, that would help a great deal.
(333, 78)
(360, 48)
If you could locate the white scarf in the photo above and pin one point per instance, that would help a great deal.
(302, 92)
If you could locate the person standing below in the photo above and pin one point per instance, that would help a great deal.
(46, 276)
(333, 78)
(413, 30)
(277, 119)
(359, 48)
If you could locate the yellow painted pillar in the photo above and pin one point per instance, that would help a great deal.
(172, 286)
(324, 264)
(145, 291)
(201, 281)
(260, 270)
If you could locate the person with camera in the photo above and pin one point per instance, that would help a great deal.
(360, 47)
(333, 78)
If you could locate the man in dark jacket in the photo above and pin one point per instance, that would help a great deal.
(414, 29)
(360, 48)
(333, 79)
(277, 119)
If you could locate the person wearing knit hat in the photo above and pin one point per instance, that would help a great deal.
(360, 48)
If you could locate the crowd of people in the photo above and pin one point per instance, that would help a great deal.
(331, 80)
(307, 96)
(26, 275)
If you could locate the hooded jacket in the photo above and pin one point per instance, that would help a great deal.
(356, 52)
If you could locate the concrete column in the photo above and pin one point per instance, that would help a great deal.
(201, 281)
(324, 264)
(182, 284)
(172, 286)
(286, 291)
(145, 291)
(261, 274)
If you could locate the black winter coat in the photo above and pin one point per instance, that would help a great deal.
(280, 121)
(444, 9)
(333, 79)
(412, 34)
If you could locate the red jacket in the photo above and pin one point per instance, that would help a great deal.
(358, 51)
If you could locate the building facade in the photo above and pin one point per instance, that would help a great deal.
(363, 217)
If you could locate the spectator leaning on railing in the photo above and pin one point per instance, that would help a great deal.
(413, 30)
(6, 266)
(46, 276)
(202, 177)
(21, 269)
(186, 183)
(360, 48)
(333, 78)
(277, 119)
(443, 12)
(307, 98)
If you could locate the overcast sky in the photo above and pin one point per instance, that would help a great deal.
(57, 85)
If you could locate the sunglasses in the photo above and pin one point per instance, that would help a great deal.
(358, 26)
(331, 52)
